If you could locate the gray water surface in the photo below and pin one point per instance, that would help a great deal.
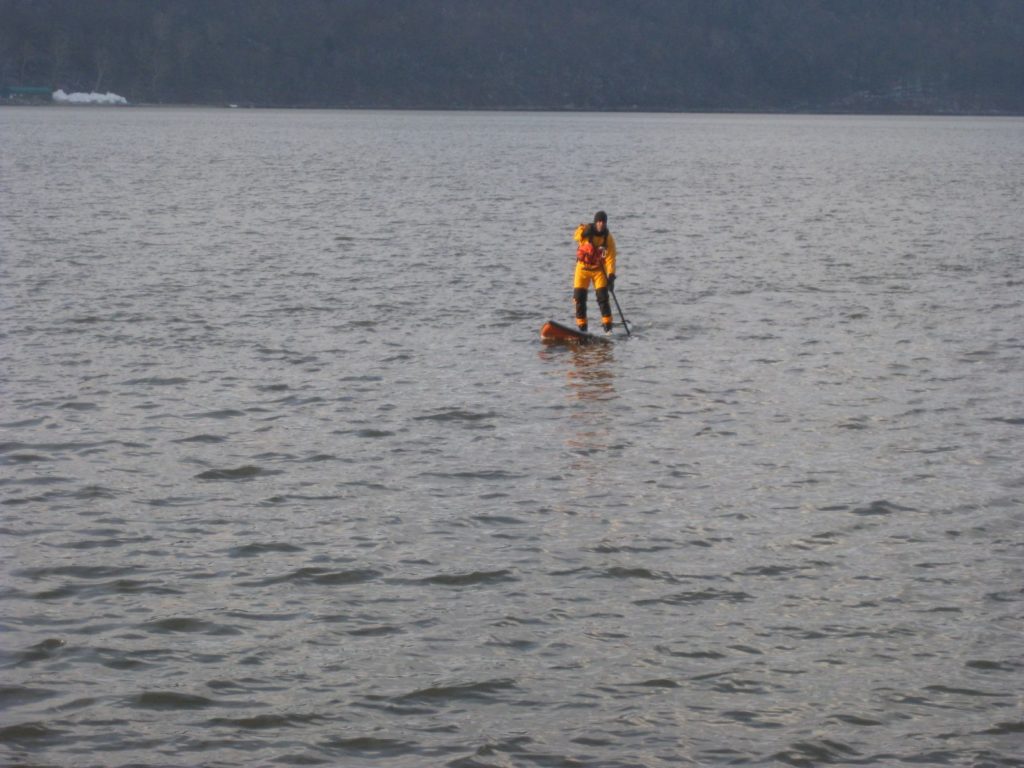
(288, 478)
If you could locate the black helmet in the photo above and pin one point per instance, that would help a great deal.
(601, 216)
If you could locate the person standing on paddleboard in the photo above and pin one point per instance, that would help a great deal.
(595, 262)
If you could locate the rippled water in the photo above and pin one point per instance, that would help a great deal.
(287, 476)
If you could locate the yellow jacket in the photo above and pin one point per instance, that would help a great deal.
(606, 241)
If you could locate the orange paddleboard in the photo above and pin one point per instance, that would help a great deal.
(552, 331)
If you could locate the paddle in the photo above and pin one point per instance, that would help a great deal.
(612, 292)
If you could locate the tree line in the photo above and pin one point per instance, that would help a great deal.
(947, 56)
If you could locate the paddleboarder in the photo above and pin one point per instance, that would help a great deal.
(595, 263)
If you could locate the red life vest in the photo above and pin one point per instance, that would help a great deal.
(591, 257)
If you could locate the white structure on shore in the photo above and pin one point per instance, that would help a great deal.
(88, 98)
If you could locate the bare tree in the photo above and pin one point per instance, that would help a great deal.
(60, 50)
(26, 61)
(102, 60)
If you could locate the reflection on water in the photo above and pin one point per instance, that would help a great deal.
(590, 370)
(592, 375)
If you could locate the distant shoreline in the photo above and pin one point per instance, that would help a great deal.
(551, 110)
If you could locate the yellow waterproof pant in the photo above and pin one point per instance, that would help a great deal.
(584, 275)
(580, 283)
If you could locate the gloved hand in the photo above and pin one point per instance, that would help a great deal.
(611, 282)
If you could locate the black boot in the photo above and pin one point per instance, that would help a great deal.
(579, 299)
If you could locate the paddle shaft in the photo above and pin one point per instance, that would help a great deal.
(615, 299)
